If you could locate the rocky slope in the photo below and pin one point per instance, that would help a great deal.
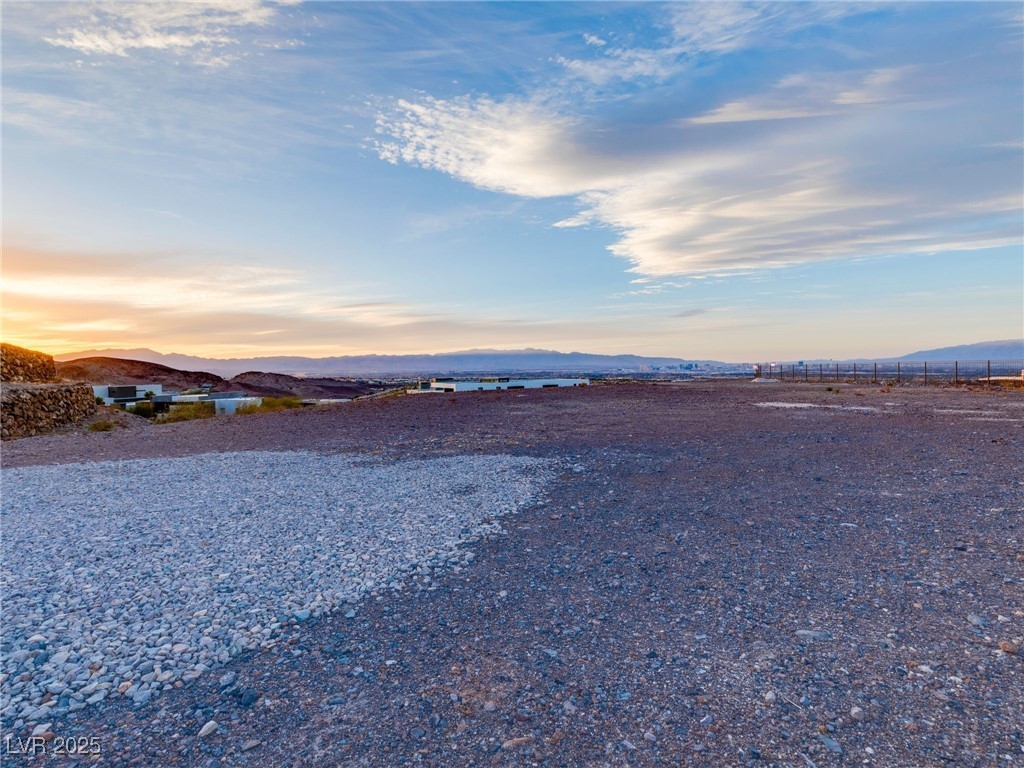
(112, 370)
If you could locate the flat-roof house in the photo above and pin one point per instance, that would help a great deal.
(490, 384)
(120, 394)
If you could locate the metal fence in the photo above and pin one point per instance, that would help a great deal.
(899, 372)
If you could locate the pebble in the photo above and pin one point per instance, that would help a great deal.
(814, 634)
(228, 679)
(42, 728)
(250, 745)
(831, 744)
(249, 697)
(302, 614)
(210, 727)
(771, 697)
(857, 713)
(1008, 646)
(976, 620)
(142, 697)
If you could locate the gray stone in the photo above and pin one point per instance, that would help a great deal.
(830, 744)
(208, 729)
(813, 634)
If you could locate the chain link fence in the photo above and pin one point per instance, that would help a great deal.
(899, 372)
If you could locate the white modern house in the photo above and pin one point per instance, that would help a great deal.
(128, 395)
(120, 394)
(224, 403)
(491, 384)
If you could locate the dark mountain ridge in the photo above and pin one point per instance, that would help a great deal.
(470, 361)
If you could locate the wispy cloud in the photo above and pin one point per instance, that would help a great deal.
(60, 301)
(695, 30)
(185, 285)
(202, 29)
(855, 161)
(723, 27)
(695, 312)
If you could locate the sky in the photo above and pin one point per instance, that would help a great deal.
(703, 180)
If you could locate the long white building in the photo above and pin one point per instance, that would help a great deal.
(494, 383)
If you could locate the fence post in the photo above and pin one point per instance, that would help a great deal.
(956, 373)
(898, 377)
(837, 371)
(821, 372)
(926, 373)
(988, 371)
(874, 376)
(854, 373)
(806, 373)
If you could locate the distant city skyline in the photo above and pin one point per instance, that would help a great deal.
(696, 180)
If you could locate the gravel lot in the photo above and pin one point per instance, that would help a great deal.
(165, 569)
(716, 574)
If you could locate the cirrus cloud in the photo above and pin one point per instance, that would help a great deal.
(873, 158)
(202, 28)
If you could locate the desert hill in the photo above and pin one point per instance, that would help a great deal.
(1006, 349)
(113, 370)
(279, 384)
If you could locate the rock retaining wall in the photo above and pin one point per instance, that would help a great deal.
(34, 409)
(20, 364)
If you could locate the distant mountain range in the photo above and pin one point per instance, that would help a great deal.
(470, 361)
(491, 361)
(1008, 349)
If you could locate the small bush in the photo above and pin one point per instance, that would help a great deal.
(271, 404)
(100, 400)
(101, 426)
(142, 408)
(189, 412)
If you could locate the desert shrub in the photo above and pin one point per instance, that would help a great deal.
(101, 426)
(271, 404)
(100, 400)
(143, 408)
(189, 411)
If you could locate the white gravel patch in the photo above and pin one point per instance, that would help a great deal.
(860, 408)
(125, 578)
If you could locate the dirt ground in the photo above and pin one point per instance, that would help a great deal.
(724, 574)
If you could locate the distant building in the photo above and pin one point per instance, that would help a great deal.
(128, 395)
(494, 383)
(122, 394)
(223, 402)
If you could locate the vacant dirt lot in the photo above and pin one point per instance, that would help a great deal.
(724, 574)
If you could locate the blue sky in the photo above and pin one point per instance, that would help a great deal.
(705, 180)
